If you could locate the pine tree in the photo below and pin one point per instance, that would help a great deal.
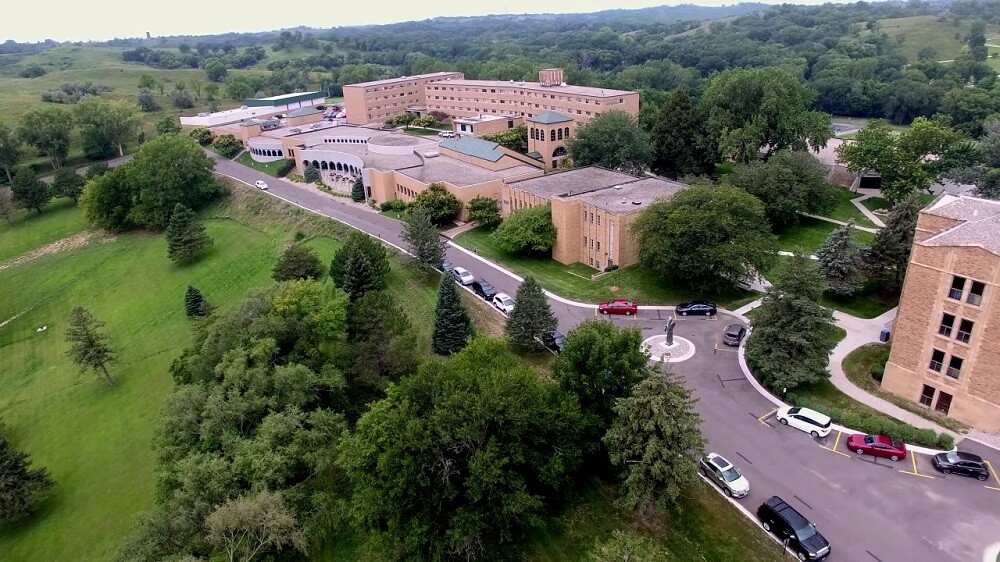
(311, 174)
(423, 239)
(186, 237)
(21, 489)
(452, 325)
(376, 253)
(890, 250)
(29, 193)
(195, 303)
(359, 276)
(532, 316)
(358, 190)
(89, 348)
(840, 262)
(656, 441)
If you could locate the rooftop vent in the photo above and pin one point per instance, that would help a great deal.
(617, 187)
(624, 201)
(431, 154)
(637, 202)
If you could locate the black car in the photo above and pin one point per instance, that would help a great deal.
(696, 307)
(447, 266)
(733, 334)
(966, 464)
(483, 288)
(554, 341)
(793, 529)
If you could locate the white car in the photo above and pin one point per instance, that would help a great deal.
(727, 476)
(462, 275)
(259, 184)
(446, 134)
(804, 419)
(503, 303)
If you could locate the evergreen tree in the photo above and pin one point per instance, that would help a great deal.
(452, 325)
(297, 262)
(656, 441)
(375, 251)
(382, 350)
(890, 250)
(67, 183)
(423, 239)
(195, 303)
(89, 348)
(358, 190)
(791, 340)
(186, 237)
(532, 316)
(680, 141)
(21, 488)
(29, 193)
(840, 262)
(360, 277)
(310, 174)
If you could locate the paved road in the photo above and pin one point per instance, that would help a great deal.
(869, 511)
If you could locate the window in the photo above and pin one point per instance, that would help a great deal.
(585, 216)
(591, 261)
(552, 135)
(943, 403)
(947, 322)
(598, 245)
(584, 241)
(560, 134)
(957, 287)
(591, 243)
(964, 331)
(976, 293)
(566, 132)
(591, 217)
(954, 367)
(598, 220)
(937, 360)
(927, 395)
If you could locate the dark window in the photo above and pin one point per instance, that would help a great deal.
(927, 395)
(947, 322)
(957, 287)
(964, 331)
(943, 403)
(937, 360)
(976, 293)
(954, 367)
(552, 135)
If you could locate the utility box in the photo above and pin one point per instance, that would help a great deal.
(884, 335)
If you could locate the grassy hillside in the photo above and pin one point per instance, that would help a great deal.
(944, 36)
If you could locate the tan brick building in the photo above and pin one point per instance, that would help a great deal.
(381, 100)
(946, 337)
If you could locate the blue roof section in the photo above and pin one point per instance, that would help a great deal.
(472, 146)
(549, 118)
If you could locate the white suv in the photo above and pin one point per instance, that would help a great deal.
(260, 184)
(503, 303)
(804, 419)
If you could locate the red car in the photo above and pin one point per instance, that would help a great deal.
(877, 446)
(619, 306)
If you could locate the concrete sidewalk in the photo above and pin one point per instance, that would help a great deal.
(858, 202)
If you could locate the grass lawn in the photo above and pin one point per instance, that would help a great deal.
(881, 204)
(425, 130)
(574, 282)
(270, 168)
(915, 33)
(845, 211)
(61, 218)
(810, 233)
(869, 303)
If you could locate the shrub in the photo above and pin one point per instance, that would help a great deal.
(394, 205)
(202, 135)
(311, 174)
(182, 99)
(286, 167)
(945, 441)
(227, 145)
(32, 71)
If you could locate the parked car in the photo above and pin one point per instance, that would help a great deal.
(727, 476)
(554, 341)
(446, 134)
(483, 288)
(966, 464)
(877, 446)
(447, 266)
(734, 334)
(462, 275)
(789, 525)
(804, 419)
(503, 303)
(260, 184)
(696, 307)
(619, 306)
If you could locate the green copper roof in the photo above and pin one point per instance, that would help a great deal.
(549, 118)
(477, 148)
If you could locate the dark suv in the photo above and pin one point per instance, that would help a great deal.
(483, 288)
(793, 529)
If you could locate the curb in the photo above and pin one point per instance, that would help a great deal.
(750, 515)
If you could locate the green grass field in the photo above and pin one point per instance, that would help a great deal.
(845, 211)
(869, 303)
(30, 230)
(269, 168)
(810, 233)
(944, 36)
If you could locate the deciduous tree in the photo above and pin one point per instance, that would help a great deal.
(515, 139)
(10, 151)
(216, 71)
(531, 318)
(382, 350)
(167, 125)
(889, 253)
(89, 347)
(485, 211)
(202, 136)
(67, 183)
(250, 526)
(441, 205)
(21, 488)
(423, 239)
(452, 325)
(182, 99)
(527, 231)
(297, 262)
(146, 100)
(49, 129)
(612, 140)
(227, 145)
(625, 546)
(681, 142)
(984, 172)
(7, 205)
(840, 262)
(186, 237)
(114, 123)
(788, 184)
(29, 192)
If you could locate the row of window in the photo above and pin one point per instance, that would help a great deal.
(394, 85)
(390, 96)
(348, 140)
(266, 152)
(594, 244)
(585, 213)
(554, 134)
(528, 93)
(957, 291)
(943, 404)
(405, 191)
(954, 364)
(947, 327)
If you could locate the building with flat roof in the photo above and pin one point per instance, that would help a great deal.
(945, 352)
(380, 100)
(256, 108)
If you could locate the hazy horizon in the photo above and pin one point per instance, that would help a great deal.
(102, 20)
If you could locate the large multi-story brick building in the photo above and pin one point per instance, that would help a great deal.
(380, 100)
(946, 337)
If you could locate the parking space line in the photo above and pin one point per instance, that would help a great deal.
(835, 443)
(913, 459)
(993, 471)
(765, 416)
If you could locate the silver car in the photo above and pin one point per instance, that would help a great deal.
(727, 476)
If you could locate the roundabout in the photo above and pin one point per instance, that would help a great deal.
(659, 350)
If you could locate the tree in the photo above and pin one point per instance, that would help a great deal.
(600, 363)
(515, 139)
(7, 205)
(95, 170)
(767, 109)
(655, 440)
(310, 174)
(211, 90)
(114, 123)
(889, 253)
(612, 140)
(984, 172)
(707, 237)
(461, 459)
(527, 231)
(485, 211)
(146, 81)
(423, 239)
(48, 129)
(624, 546)
(441, 205)
(360, 276)
(182, 99)
(298, 262)
(681, 142)
(67, 183)
(196, 87)
(382, 350)
(227, 145)
(147, 101)
(29, 192)
(791, 340)
(215, 70)
(249, 526)
(976, 40)
(840, 262)
(788, 184)
(358, 190)
(452, 325)
(10, 151)
(89, 347)
(201, 135)
(167, 125)
(531, 318)
(21, 488)
(376, 254)
(194, 302)
(186, 237)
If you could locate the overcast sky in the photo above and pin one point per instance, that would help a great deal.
(81, 20)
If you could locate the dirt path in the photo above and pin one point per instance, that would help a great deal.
(68, 243)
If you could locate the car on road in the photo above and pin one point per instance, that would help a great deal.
(462, 275)
(692, 308)
(792, 528)
(446, 134)
(554, 341)
(804, 419)
(957, 462)
(447, 267)
(484, 289)
(260, 184)
(503, 303)
(619, 306)
(877, 446)
(728, 477)
(734, 334)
